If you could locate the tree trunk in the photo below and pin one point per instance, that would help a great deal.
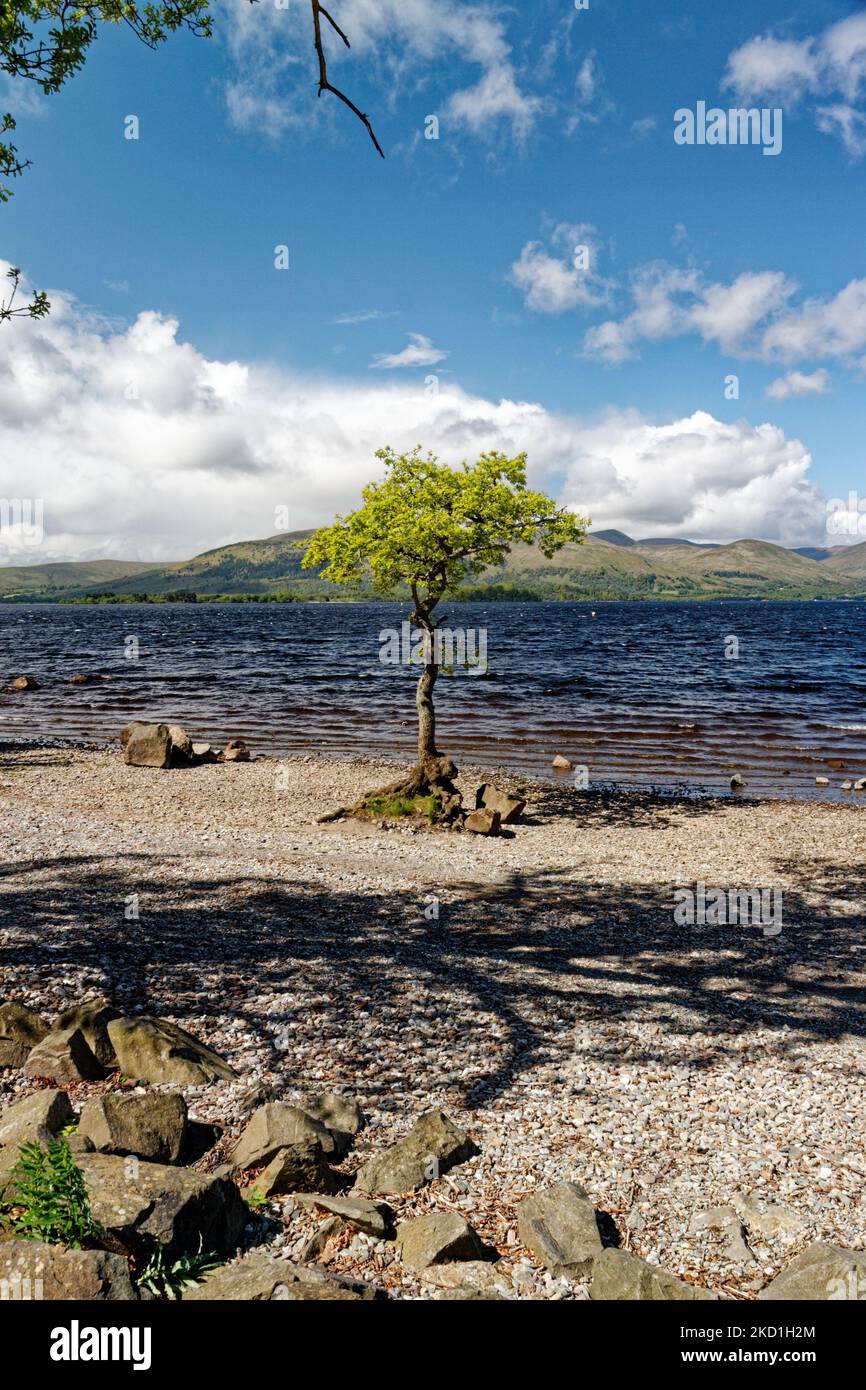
(426, 713)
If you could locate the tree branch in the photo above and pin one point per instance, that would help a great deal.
(325, 85)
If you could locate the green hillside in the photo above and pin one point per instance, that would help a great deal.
(615, 568)
(50, 581)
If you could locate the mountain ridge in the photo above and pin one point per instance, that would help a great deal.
(609, 564)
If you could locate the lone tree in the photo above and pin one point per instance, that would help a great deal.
(429, 527)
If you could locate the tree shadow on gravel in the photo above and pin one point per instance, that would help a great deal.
(532, 971)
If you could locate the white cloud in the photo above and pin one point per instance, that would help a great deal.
(830, 65)
(419, 352)
(644, 127)
(552, 283)
(364, 316)
(396, 45)
(699, 478)
(799, 384)
(752, 316)
(669, 302)
(143, 448)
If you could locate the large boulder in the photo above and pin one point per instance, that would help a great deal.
(273, 1127)
(151, 1126)
(147, 745)
(558, 1226)
(20, 1030)
(618, 1276)
(373, 1218)
(36, 1119)
(299, 1167)
(64, 1057)
(439, 1238)
(259, 1277)
(142, 1205)
(821, 1272)
(93, 1018)
(31, 1270)
(432, 1146)
(490, 798)
(156, 1051)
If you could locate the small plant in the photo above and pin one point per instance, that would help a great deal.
(256, 1200)
(49, 1197)
(169, 1280)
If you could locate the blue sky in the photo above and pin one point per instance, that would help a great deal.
(555, 130)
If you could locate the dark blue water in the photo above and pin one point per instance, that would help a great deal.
(640, 693)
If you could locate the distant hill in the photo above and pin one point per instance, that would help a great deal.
(51, 580)
(608, 565)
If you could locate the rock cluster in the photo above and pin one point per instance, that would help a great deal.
(129, 1147)
(89, 1040)
(169, 745)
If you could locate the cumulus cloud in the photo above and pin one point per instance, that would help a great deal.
(398, 44)
(564, 275)
(752, 316)
(699, 478)
(668, 302)
(829, 68)
(419, 352)
(799, 384)
(141, 447)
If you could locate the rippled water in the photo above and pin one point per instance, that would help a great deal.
(638, 693)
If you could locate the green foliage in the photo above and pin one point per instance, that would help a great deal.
(256, 1200)
(38, 306)
(169, 1280)
(48, 42)
(395, 807)
(432, 527)
(49, 1197)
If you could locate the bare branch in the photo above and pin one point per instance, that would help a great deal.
(324, 84)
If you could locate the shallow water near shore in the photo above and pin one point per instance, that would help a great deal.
(678, 694)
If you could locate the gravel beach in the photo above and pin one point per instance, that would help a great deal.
(547, 1000)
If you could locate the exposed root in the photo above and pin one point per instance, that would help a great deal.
(431, 780)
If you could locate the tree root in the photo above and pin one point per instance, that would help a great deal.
(432, 778)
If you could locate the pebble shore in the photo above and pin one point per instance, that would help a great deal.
(533, 986)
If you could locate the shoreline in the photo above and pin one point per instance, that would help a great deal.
(554, 1009)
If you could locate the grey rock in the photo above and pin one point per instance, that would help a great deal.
(147, 745)
(64, 1057)
(373, 1218)
(342, 1116)
(490, 798)
(618, 1276)
(823, 1272)
(152, 1126)
(156, 1051)
(31, 1270)
(558, 1225)
(300, 1167)
(273, 1127)
(441, 1237)
(432, 1146)
(36, 1119)
(482, 823)
(20, 1030)
(141, 1205)
(93, 1018)
(476, 1276)
(767, 1218)
(259, 1277)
